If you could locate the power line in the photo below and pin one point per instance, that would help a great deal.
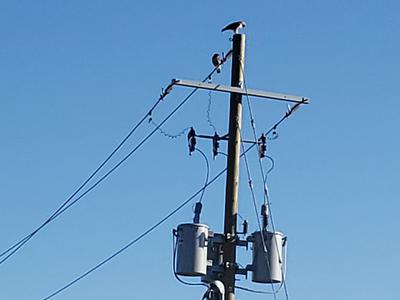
(251, 290)
(24, 240)
(137, 239)
(67, 203)
(59, 212)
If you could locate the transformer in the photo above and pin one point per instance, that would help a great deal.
(191, 257)
(267, 264)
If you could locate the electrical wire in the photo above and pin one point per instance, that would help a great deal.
(210, 123)
(67, 203)
(272, 165)
(222, 153)
(137, 239)
(251, 290)
(24, 240)
(70, 203)
(266, 193)
(207, 173)
(266, 189)
(169, 135)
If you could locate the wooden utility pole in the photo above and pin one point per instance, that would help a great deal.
(221, 279)
(232, 179)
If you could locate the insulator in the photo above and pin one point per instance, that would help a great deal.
(245, 227)
(197, 212)
(215, 144)
(262, 145)
(264, 215)
(191, 140)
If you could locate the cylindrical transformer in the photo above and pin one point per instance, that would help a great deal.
(267, 265)
(191, 259)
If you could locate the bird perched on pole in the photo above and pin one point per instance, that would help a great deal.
(235, 26)
(217, 62)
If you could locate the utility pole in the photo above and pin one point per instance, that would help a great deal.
(193, 257)
(232, 179)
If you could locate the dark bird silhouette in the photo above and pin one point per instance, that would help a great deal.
(235, 26)
(217, 62)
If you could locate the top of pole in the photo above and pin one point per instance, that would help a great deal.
(235, 26)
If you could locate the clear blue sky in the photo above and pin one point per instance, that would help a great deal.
(76, 75)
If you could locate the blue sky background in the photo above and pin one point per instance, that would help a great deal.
(76, 75)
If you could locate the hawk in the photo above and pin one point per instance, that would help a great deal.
(235, 26)
(217, 62)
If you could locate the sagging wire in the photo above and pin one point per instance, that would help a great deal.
(217, 67)
(169, 135)
(208, 113)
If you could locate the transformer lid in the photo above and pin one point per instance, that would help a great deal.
(199, 225)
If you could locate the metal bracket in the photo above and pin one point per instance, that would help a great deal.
(242, 243)
(241, 271)
(223, 138)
